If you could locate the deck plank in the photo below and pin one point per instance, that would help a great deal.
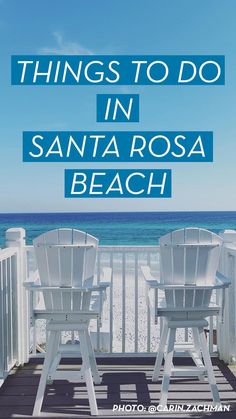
(122, 383)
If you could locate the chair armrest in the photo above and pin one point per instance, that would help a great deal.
(150, 280)
(152, 286)
(222, 280)
(103, 285)
(36, 287)
(32, 284)
(106, 274)
(102, 289)
(223, 284)
(32, 280)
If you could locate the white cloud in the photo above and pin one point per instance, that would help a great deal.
(64, 47)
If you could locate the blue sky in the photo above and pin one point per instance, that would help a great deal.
(123, 27)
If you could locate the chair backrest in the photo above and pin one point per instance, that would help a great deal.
(66, 258)
(189, 257)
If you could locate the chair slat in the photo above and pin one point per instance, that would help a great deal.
(191, 260)
(166, 264)
(192, 235)
(178, 236)
(178, 256)
(65, 236)
(53, 266)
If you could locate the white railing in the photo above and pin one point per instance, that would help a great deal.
(13, 309)
(130, 328)
(127, 327)
(8, 313)
(226, 332)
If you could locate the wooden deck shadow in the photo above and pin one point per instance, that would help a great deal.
(113, 381)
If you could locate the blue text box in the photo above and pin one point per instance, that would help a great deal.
(118, 70)
(112, 183)
(119, 146)
(118, 108)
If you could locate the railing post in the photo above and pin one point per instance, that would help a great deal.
(15, 237)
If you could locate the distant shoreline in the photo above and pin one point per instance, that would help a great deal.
(119, 212)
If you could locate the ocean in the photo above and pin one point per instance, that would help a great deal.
(118, 228)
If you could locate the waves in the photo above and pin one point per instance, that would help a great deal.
(132, 228)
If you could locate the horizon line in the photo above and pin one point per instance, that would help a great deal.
(114, 212)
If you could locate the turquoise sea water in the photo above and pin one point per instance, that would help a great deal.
(132, 228)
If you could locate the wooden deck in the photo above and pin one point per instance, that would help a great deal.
(124, 381)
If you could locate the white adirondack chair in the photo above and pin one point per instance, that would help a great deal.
(188, 275)
(66, 265)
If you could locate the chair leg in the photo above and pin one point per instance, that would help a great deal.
(208, 364)
(45, 370)
(196, 341)
(88, 374)
(198, 350)
(160, 354)
(56, 358)
(167, 368)
(93, 363)
(81, 374)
